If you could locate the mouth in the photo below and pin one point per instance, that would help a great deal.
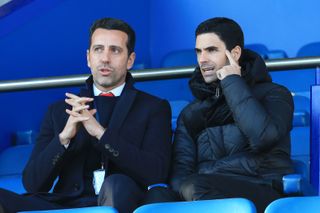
(105, 71)
(208, 70)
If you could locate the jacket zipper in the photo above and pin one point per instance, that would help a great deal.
(217, 92)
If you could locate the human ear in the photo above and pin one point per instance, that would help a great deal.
(88, 59)
(131, 59)
(236, 53)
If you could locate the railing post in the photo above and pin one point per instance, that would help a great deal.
(318, 75)
(315, 133)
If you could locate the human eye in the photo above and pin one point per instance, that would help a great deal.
(198, 51)
(115, 50)
(212, 49)
(98, 49)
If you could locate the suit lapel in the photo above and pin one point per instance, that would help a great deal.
(123, 105)
(122, 108)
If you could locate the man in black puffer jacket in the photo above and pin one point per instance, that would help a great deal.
(234, 139)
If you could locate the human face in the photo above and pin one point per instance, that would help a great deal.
(211, 55)
(108, 58)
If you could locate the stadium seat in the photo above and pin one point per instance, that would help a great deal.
(311, 49)
(298, 183)
(274, 54)
(138, 66)
(14, 159)
(301, 115)
(12, 163)
(295, 205)
(176, 107)
(261, 49)
(96, 209)
(265, 53)
(180, 58)
(24, 137)
(300, 134)
(239, 205)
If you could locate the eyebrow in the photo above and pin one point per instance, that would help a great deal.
(96, 45)
(207, 48)
(115, 46)
(211, 48)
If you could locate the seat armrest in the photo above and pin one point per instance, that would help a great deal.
(292, 183)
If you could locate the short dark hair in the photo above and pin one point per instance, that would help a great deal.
(115, 24)
(227, 29)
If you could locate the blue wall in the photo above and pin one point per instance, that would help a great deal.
(50, 38)
(279, 24)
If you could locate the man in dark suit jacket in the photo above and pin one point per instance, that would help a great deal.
(125, 133)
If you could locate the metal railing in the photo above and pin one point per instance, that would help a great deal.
(146, 74)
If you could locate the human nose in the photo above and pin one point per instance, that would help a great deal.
(202, 58)
(105, 57)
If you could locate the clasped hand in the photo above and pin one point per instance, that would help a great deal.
(232, 68)
(80, 113)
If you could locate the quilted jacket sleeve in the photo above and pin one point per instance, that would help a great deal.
(263, 121)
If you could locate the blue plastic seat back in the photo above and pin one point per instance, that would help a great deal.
(311, 49)
(12, 183)
(274, 54)
(301, 116)
(265, 53)
(12, 163)
(261, 49)
(96, 209)
(294, 205)
(180, 58)
(176, 107)
(239, 205)
(24, 137)
(14, 159)
(300, 134)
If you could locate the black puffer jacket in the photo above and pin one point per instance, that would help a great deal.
(239, 126)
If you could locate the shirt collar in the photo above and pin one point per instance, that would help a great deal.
(116, 91)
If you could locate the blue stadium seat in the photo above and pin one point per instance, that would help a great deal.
(274, 54)
(138, 66)
(239, 205)
(295, 205)
(14, 159)
(261, 49)
(298, 183)
(96, 209)
(301, 115)
(12, 163)
(176, 107)
(300, 142)
(265, 53)
(24, 137)
(12, 183)
(311, 49)
(180, 58)
(297, 81)
(300, 134)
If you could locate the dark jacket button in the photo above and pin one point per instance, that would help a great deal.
(107, 146)
(115, 153)
(76, 187)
